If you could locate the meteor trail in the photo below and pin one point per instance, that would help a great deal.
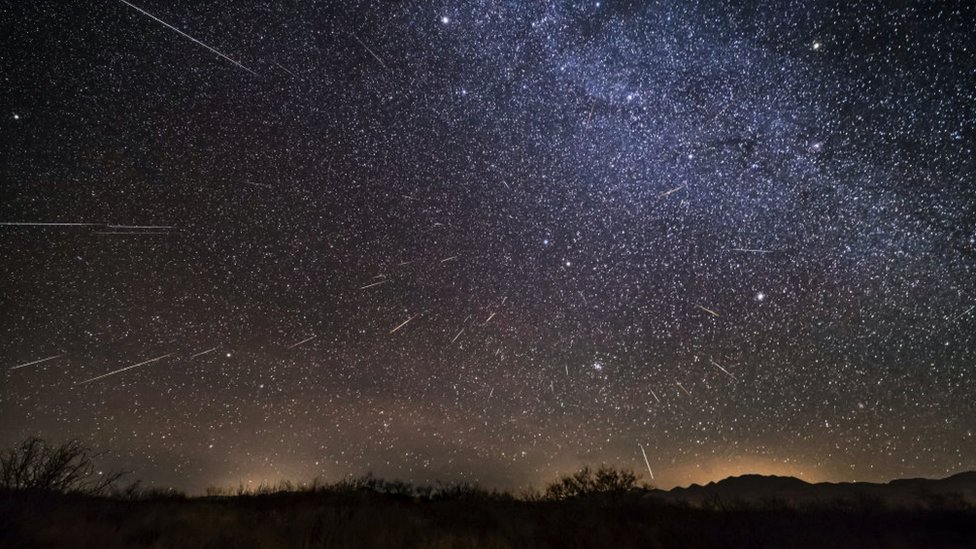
(371, 52)
(752, 250)
(31, 224)
(144, 233)
(709, 311)
(201, 353)
(153, 17)
(402, 324)
(719, 366)
(964, 313)
(280, 66)
(120, 370)
(19, 366)
(374, 284)
(458, 335)
(646, 462)
(452, 258)
(491, 316)
(672, 191)
(302, 342)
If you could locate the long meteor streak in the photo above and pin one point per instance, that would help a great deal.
(646, 462)
(964, 313)
(201, 353)
(302, 342)
(707, 310)
(185, 35)
(31, 224)
(752, 250)
(120, 370)
(19, 366)
(402, 324)
(720, 367)
(371, 52)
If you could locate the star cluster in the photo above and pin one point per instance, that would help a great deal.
(490, 241)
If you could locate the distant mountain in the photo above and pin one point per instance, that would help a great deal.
(902, 492)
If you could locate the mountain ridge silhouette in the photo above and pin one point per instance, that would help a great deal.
(756, 487)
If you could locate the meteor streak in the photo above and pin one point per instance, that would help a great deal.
(672, 191)
(19, 366)
(752, 250)
(201, 353)
(120, 370)
(709, 311)
(402, 324)
(719, 366)
(185, 35)
(646, 462)
(280, 66)
(302, 342)
(371, 52)
(31, 224)
(964, 313)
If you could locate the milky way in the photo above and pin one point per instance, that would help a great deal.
(490, 241)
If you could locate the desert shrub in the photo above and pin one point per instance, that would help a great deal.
(33, 465)
(588, 481)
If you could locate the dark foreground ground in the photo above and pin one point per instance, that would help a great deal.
(381, 520)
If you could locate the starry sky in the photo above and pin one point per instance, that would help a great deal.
(490, 241)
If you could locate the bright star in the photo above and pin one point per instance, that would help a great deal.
(445, 19)
(760, 296)
(16, 116)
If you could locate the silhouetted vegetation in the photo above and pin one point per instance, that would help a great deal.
(588, 481)
(35, 466)
(593, 507)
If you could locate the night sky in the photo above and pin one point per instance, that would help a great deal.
(490, 241)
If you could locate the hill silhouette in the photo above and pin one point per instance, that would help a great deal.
(960, 487)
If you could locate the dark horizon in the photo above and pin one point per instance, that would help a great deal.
(490, 241)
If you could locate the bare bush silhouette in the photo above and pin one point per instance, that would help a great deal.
(588, 481)
(33, 465)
